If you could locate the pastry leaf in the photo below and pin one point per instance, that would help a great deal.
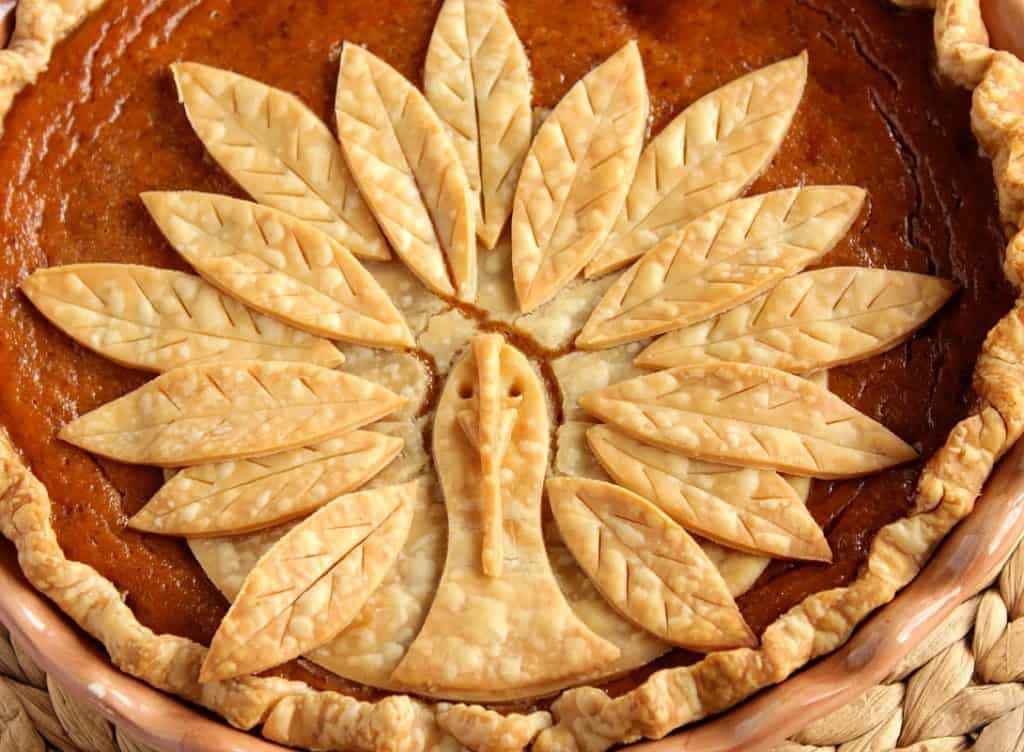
(647, 566)
(158, 319)
(720, 260)
(813, 321)
(753, 510)
(226, 561)
(576, 175)
(278, 151)
(312, 582)
(280, 266)
(407, 168)
(749, 415)
(477, 78)
(710, 153)
(208, 413)
(239, 497)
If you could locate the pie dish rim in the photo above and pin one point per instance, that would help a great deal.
(584, 718)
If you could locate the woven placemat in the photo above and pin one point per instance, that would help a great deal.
(959, 689)
(37, 715)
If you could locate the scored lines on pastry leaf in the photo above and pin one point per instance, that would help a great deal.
(747, 508)
(477, 78)
(653, 572)
(721, 260)
(576, 175)
(409, 172)
(159, 319)
(751, 415)
(280, 266)
(237, 497)
(223, 411)
(312, 582)
(282, 154)
(709, 154)
(809, 322)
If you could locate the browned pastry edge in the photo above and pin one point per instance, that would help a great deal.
(585, 719)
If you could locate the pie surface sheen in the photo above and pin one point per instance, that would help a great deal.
(504, 360)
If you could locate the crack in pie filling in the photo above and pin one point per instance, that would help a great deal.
(426, 376)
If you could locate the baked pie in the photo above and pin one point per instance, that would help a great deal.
(420, 376)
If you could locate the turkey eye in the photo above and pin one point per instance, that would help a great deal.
(466, 391)
(514, 391)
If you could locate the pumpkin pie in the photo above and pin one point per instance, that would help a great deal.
(492, 376)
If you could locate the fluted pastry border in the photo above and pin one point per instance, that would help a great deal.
(583, 719)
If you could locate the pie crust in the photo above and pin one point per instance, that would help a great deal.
(585, 718)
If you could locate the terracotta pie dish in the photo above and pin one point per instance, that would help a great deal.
(426, 376)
